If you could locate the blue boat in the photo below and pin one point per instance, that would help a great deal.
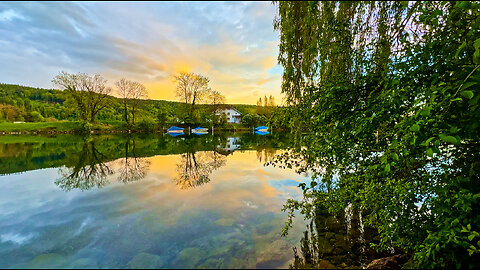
(200, 130)
(261, 132)
(261, 128)
(174, 134)
(174, 129)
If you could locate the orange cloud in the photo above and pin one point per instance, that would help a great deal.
(239, 72)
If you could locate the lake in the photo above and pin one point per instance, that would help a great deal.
(156, 201)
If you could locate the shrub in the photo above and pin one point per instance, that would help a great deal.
(146, 124)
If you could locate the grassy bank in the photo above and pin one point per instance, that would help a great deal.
(79, 127)
(55, 127)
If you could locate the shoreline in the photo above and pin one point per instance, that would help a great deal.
(52, 128)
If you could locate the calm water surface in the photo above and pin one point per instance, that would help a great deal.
(105, 201)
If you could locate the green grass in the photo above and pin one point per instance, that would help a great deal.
(39, 126)
(61, 126)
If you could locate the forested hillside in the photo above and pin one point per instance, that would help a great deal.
(29, 104)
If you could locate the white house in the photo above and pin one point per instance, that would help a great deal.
(233, 116)
(232, 144)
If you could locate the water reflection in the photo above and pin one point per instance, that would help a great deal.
(336, 242)
(92, 168)
(232, 221)
(194, 168)
(89, 170)
(87, 162)
(132, 167)
(142, 205)
(266, 155)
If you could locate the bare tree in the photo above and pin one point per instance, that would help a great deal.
(123, 90)
(216, 98)
(89, 93)
(138, 91)
(131, 92)
(191, 89)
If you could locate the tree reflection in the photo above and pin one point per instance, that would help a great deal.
(194, 168)
(266, 155)
(92, 167)
(331, 242)
(132, 168)
(89, 170)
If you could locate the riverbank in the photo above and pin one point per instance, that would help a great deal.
(76, 127)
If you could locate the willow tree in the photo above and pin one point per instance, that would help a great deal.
(389, 90)
(89, 92)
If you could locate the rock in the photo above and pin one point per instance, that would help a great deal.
(189, 257)
(212, 264)
(146, 261)
(324, 264)
(392, 262)
(225, 221)
(83, 263)
(276, 252)
(48, 260)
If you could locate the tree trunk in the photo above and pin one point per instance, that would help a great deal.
(133, 115)
(125, 112)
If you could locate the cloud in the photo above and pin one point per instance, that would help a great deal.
(232, 43)
(9, 15)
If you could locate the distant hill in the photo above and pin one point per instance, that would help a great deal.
(24, 103)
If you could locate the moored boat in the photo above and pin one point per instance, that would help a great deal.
(174, 129)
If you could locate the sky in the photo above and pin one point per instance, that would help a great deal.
(232, 43)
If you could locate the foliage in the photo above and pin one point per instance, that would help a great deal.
(266, 107)
(146, 124)
(253, 120)
(17, 103)
(389, 92)
(89, 93)
(162, 118)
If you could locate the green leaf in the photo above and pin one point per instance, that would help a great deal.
(457, 99)
(449, 139)
(470, 237)
(476, 44)
(395, 156)
(425, 112)
(476, 57)
(454, 130)
(460, 48)
(387, 167)
(429, 140)
(415, 128)
(430, 152)
(467, 94)
(467, 85)
(469, 227)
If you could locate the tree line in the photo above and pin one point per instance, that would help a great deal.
(88, 98)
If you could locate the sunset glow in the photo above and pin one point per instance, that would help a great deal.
(233, 44)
